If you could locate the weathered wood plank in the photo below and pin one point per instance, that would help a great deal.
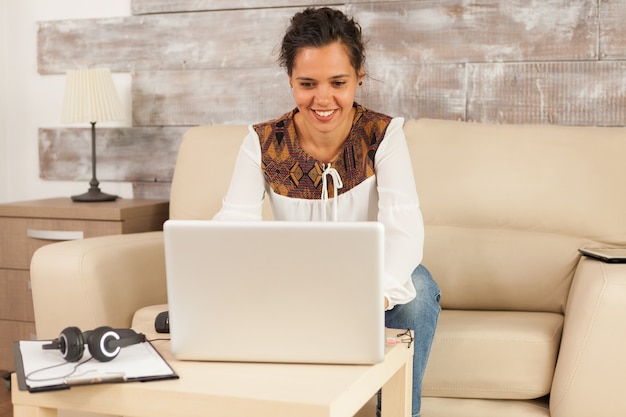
(472, 31)
(168, 6)
(612, 29)
(123, 154)
(152, 190)
(241, 96)
(568, 93)
(404, 32)
(220, 39)
(220, 96)
(413, 91)
(562, 93)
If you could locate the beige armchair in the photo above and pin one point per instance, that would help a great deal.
(529, 328)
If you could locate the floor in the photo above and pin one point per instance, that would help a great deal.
(6, 408)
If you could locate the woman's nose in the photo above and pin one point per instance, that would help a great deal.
(323, 94)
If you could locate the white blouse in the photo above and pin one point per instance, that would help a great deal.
(389, 196)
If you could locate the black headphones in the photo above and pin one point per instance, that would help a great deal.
(104, 343)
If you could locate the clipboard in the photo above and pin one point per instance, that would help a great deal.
(40, 370)
(608, 255)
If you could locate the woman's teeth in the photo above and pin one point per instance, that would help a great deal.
(324, 113)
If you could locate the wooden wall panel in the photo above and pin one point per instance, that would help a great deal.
(486, 31)
(236, 96)
(218, 96)
(402, 32)
(221, 39)
(152, 190)
(123, 154)
(612, 29)
(563, 93)
(214, 61)
(169, 6)
(412, 91)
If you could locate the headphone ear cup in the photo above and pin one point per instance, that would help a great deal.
(72, 344)
(99, 344)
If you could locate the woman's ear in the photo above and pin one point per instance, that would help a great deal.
(360, 75)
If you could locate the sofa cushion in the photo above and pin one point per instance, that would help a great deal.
(496, 189)
(462, 407)
(469, 264)
(198, 186)
(548, 179)
(490, 354)
(200, 181)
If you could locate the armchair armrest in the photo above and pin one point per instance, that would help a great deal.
(591, 366)
(97, 281)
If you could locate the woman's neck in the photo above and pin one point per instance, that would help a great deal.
(323, 146)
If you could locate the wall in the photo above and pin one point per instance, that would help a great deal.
(3, 101)
(184, 62)
(33, 100)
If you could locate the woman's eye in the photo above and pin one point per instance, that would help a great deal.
(339, 83)
(306, 85)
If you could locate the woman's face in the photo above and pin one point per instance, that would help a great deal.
(324, 84)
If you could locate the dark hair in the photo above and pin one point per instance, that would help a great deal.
(320, 27)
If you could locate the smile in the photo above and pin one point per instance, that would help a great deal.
(326, 113)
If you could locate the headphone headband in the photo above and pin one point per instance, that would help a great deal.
(104, 343)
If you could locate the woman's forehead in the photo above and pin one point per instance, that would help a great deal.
(331, 58)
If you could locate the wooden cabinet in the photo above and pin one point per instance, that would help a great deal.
(26, 226)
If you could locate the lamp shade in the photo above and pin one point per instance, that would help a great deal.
(90, 96)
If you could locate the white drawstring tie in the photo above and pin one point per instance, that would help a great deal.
(328, 170)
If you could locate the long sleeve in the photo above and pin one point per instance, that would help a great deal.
(399, 212)
(244, 199)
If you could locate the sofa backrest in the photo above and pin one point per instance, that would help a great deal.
(506, 207)
(204, 166)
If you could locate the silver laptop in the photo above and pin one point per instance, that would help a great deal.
(286, 292)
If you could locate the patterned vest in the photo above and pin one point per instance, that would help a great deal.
(291, 172)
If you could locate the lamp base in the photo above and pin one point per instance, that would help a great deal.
(94, 196)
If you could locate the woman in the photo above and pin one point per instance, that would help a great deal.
(331, 158)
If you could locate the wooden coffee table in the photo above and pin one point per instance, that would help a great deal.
(240, 390)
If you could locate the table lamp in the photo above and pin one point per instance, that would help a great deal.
(90, 96)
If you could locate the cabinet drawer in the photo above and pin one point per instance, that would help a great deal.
(11, 331)
(16, 298)
(21, 237)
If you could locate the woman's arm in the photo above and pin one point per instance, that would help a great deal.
(399, 212)
(244, 198)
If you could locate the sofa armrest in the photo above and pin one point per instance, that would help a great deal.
(97, 281)
(591, 366)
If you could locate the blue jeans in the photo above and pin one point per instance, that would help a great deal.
(420, 315)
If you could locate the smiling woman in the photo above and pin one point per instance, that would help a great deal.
(324, 84)
(333, 158)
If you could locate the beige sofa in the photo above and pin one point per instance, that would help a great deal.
(529, 328)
